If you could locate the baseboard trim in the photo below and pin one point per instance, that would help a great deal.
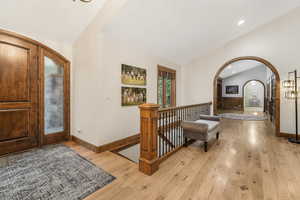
(84, 143)
(287, 135)
(120, 144)
(113, 146)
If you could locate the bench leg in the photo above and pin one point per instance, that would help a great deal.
(205, 146)
(217, 135)
(185, 142)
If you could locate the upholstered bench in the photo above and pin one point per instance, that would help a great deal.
(203, 129)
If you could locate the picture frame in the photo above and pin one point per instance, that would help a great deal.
(131, 75)
(232, 89)
(132, 96)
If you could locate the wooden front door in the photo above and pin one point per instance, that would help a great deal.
(18, 94)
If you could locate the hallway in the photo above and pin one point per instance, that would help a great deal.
(248, 162)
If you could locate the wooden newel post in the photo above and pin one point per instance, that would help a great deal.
(148, 155)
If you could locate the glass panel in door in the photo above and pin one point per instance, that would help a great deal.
(54, 97)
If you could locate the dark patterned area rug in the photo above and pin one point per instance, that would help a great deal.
(52, 173)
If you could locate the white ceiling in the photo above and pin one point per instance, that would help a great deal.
(182, 30)
(178, 30)
(53, 20)
(239, 66)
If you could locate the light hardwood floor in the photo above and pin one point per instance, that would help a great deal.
(248, 162)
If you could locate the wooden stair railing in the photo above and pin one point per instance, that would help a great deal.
(161, 132)
(166, 140)
(148, 162)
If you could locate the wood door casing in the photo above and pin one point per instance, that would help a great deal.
(65, 134)
(219, 93)
(18, 94)
(162, 72)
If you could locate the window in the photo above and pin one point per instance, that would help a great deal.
(166, 87)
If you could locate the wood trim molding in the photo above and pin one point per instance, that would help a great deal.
(120, 144)
(287, 135)
(113, 146)
(161, 69)
(181, 107)
(85, 144)
(165, 69)
(277, 84)
(65, 65)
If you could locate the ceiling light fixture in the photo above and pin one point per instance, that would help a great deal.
(241, 22)
(85, 1)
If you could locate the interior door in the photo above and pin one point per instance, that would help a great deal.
(54, 118)
(18, 94)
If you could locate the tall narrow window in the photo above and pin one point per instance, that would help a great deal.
(166, 87)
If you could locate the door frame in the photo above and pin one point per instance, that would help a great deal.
(277, 86)
(60, 136)
(262, 83)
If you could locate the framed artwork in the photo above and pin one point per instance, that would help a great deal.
(133, 96)
(232, 89)
(133, 75)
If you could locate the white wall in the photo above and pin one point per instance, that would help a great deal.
(257, 73)
(277, 42)
(97, 110)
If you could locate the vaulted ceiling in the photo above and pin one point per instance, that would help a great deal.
(178, 30)
(53, 20)
(182, 30)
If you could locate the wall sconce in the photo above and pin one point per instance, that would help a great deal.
(288, 84)
(292, 93)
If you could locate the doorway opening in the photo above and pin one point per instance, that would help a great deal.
(232, 78)
(254, 96)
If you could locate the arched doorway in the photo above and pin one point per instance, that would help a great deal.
(277, 86)
(254, 96)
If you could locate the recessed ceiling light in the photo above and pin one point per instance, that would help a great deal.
(241, 22)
